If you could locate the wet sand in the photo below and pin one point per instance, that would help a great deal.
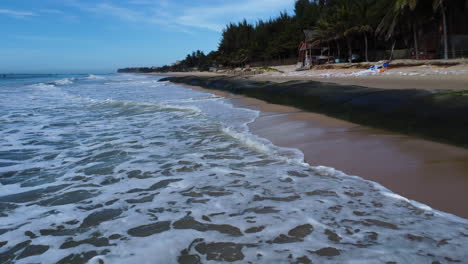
(428, 172)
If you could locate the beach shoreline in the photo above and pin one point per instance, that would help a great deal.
(428, 172)
(409, 77)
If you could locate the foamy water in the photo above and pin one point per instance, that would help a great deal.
(126, 169)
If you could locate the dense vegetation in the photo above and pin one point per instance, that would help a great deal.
(345, 26)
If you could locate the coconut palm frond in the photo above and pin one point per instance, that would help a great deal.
(386, 23)
(412, 4)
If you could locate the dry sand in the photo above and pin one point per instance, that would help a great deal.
(417, 77)
(431, 173)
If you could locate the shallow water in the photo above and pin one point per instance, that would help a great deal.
(126, 169)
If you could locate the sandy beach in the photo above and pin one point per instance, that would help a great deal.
(428, 172)
(417, 77)
(414, 77)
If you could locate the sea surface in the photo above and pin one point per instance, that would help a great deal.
(127, 169)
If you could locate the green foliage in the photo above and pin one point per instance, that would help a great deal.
(276, 38)
(242, 42)
(338, 21)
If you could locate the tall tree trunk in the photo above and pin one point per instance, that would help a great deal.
(338, 48)
(415, 38)
(374, 48)
(454, 52)
(350, 50)
(393, 47)
(365, 42)
(444, 21)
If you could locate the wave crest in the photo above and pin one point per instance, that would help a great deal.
(94, 77)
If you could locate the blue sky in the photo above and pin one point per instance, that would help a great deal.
(82, 36)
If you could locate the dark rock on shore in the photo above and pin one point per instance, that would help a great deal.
(432, 114)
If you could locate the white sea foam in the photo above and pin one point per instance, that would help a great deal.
(264, 146)
(43, 86)
(64, 81)
(95, 77)
(153, 155)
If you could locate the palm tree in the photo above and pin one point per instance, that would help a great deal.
(401, 8)
(326, 32)
(344, 20)
(360, 29)
(398, 10)
(439, 4)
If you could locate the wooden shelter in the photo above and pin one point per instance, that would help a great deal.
(310, 51)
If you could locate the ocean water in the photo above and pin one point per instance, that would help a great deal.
(127, 169)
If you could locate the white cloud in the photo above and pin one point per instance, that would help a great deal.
(59, 13)
(209, 15)
(148, 2)
(150, 14)
(120, 12)
(51, 11)
(214, 17)
(41, 38)
(18, 14)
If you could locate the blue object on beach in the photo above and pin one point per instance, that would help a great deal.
(378, 67)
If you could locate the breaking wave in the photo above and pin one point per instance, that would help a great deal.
(125, 172)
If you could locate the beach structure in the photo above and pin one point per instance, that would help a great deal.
(310, 51)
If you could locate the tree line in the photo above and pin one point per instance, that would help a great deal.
(344, 26)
